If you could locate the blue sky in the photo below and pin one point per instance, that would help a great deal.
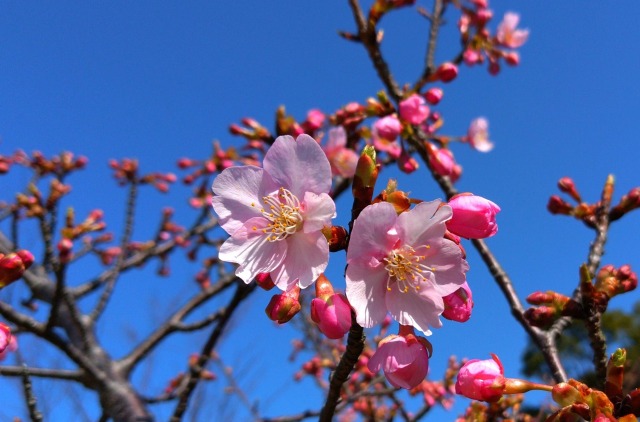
(157, 80)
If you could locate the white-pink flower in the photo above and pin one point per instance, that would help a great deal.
(508, 35)
(403, 265)
(343, 160)
(275, 214)
(478, 135)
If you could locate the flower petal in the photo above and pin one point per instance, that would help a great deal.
(373, 232)
(298, 165)
(250, 248)
(419, 310)
(236, 189)
(448, 265)
(423, 223)
(307, 257)
(319, 210)
(366, 288)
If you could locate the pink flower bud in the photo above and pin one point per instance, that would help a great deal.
(458, 305)
(13, 265)
(471, 57)
(284, 306)
(11, 347)
(474, 217)
(512, 58)
(558, 205)
(332, 315)
(441, 160)
(5, 337)
(433, 96)
(414, 109)
(447, 72)
(388, 127)
(264, 281)
(407, 163)
(315, 120)
(481, 379)
(403, 358)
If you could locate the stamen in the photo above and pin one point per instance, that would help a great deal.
(284, 217)
(405, 269)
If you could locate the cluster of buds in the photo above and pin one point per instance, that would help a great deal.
(550, 307)
(59, 165)
(581, 211)
(126, 171)
(349, 116)
(443, 163)
(577, 400)
(35, 205)
(13, 265)
(613, 281)
(220, 159)
(253, 131)
(479, 42)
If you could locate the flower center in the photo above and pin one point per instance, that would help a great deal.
(283, 214)
(405, 269)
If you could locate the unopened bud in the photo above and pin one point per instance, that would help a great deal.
(558, 205)
(264, 281)
(434, 95)
(567, 186)
(447, 72)
(284, 306)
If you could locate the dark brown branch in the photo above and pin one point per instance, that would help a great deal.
(173, 323)
(60, 374)
(434, 30)
(126, 237)
(367, 34)
(29, 396)
(193, 377)
(355, 345)
(141, 257)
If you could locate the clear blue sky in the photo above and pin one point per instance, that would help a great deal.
(157, 80)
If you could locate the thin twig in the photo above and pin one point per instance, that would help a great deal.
(193, 377)
(434, 30)
(29, 396)
(126, 237)
(59, 374)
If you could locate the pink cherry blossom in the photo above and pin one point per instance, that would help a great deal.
(403, 359)
(10, 348)
(458, 305)
(508, 35)
(414, 109)
(5, 337)
(481, 379)
(478, 135)
(332, 315)
(343, 160)
(474, 217)
(403, 265)
(407, 163)
(275, 214)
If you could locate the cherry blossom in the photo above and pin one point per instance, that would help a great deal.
(275, 214)
(403, 265)
(458, 305)
(343, 160)
(414, 109)
(508, 35)
(478, 135)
